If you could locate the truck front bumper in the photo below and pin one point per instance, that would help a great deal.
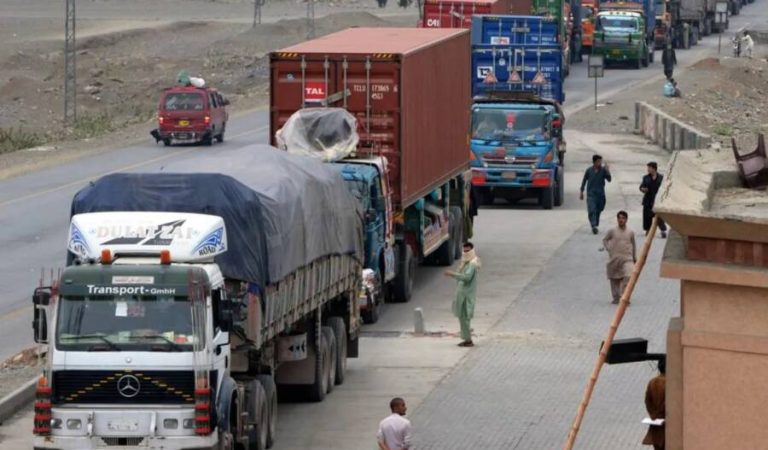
(511, 178)
(82, 428)
(618, 54)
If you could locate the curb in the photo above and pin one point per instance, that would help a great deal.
(13, 402)
(666, 131)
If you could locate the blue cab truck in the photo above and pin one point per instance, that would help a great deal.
(517, 144)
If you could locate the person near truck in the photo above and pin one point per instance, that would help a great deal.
(655, 405)
(395, 430)
(650, 188)
(747, 44)
(669, 60)
(620, 244)
(464, 303)
(594, 181)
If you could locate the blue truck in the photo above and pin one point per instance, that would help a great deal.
(517, 143)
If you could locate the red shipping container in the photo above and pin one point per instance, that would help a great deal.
(407, 87)
(458, 13)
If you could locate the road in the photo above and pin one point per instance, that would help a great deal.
(531, 262)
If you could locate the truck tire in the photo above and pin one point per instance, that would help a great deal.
(547, 197)
(371, 314)
(403, 282)
(639, 62)
(258, 415)
(330, 366)
(560, 192)
(458, 218)
(443, 256)
(270, 394)
(340, 333)
(319, 388)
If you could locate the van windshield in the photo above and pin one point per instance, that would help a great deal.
(183, 101)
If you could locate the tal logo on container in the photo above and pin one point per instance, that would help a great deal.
(314, 91)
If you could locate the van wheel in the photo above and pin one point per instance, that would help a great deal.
(167, 142)
(340, 333)
(208, 139)
(220, 137)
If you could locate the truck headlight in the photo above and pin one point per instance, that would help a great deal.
(170, 424)
(74, 424)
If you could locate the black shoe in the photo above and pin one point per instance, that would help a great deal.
(594, 230)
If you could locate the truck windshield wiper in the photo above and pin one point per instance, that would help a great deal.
(173, 345)
(110, 345)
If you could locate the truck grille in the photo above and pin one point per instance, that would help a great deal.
(124, 387)
(510, 160)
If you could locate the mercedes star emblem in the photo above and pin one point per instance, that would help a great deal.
(128, 386)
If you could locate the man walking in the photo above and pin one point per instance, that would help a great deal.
(655, 405)
(669, 60)
(395, 430)
(594, 180)
(650, 187)
(620, 244)
(464, 303)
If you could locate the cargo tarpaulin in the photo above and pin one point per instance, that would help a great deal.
(326, 133)
(281, 211)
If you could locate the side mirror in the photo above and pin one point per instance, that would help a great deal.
(41, 298)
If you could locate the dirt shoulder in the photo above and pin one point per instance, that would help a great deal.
(724, 97)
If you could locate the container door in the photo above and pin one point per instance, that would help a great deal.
(536, 70)
(513, 30)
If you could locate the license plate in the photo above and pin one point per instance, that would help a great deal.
(182, 136)
(616, 51)
(123, 425)
(509, 175)
(183, 123)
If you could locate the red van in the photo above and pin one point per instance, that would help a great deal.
(189, 114)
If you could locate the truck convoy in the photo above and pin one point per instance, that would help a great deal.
(516, 137)
(625, 32)
(410, 167)
(191, 296)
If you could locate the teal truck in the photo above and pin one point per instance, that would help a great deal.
(624, 32)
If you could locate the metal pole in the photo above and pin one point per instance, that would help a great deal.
(311, 19)
(719, 41)
(70, 71)
(595, 93)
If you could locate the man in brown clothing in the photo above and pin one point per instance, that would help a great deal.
(654, 403)
(620, 244)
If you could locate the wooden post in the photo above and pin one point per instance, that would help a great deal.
(620, 310)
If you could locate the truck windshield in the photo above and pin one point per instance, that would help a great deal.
(120, 323)
(183, 101)
(508, 125)
(617, 23)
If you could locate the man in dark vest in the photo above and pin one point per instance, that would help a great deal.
(650, 187)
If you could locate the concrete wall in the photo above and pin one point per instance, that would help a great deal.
(666, 131)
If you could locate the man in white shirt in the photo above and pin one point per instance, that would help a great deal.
(395, 430)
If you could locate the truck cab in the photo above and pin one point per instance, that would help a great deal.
(517, 150)
(137, 347)
(622, 36)
(367, 180)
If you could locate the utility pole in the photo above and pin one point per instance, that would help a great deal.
(70, 71)
(311, 19)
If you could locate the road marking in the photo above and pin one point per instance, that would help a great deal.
(110, 172)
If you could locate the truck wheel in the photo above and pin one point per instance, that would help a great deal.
(330, 366)
(547, 197)
(340, 332)
(443, 256)
(319, 388)
(403, 282)
(560, 192)
(270, 395)
(258, 415)
(458, 217)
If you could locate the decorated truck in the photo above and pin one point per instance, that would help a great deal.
(409, 164)
(517, 141)
(191, 297)
(624, 32)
